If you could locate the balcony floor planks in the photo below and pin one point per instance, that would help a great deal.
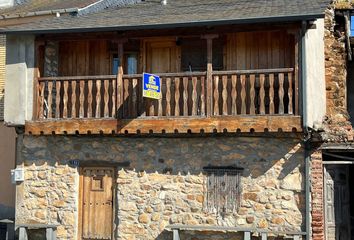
(231, 124)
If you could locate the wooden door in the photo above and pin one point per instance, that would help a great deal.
(337, 202)
(97, 203)
(162, 56)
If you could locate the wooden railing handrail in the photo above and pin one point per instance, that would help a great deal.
(73, 78)
(254, 71)
(178, 74)
(100, 77)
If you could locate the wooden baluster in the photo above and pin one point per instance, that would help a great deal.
(114, 81)
(159, 110)
(234, 95)
(216, 95)
(50, 99)
(224, 96)
(252, 94)
(57, 99)
(98, 99)
(89, 99)
(194, 96)
(243, 94)
(65, 99)
(41, 99)
(271, 93)
(177, 96)
(126, 99)
(82, 99)
(135, 98)
(261, 94)
(185, 96)
(290, 93)
(73, 99)
(106, 98)
(281, 93)
(202, 96)
(168, 97)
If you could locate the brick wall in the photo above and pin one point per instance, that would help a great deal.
(317, 210)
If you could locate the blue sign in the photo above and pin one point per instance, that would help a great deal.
(151, 86)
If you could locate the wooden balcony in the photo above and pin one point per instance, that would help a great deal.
(232, 101)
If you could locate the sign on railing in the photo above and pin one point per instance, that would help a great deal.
(151, 86)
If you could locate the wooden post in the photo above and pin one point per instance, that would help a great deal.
(297, 38)
(37, 74)
(209, 38)
(120, 81)
(296, 75)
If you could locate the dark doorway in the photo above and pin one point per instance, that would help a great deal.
(338, 201)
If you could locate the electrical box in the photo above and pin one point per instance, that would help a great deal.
(17, 175)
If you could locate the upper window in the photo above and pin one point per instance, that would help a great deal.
(130, 63)
(194, 54)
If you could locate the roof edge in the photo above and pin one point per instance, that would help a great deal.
(287, 18)
(102, 4)
(39, 13)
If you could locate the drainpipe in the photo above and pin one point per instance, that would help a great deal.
(307, 145)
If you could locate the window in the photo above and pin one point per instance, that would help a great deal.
(223, 189)
(130, 63)
(194, 54)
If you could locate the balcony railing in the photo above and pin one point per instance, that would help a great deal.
(230, 93)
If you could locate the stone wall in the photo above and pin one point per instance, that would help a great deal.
(337, 125)
(164, 183)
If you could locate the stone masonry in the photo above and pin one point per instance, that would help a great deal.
(337, 127)
(163, 182)
(337, 124)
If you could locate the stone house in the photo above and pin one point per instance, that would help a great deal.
(233, 147)
(13, 12)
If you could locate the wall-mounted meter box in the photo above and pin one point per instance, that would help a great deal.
(17, 175)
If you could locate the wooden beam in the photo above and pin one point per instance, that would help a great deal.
(71, 126)
(173, 32)
(230, 124)
(119, 88)
(211, 124)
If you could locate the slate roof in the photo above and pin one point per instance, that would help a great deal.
(152, 14)
(45, 5)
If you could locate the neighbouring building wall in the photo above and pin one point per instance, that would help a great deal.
(19, 79)
(314, 76)
(7, 160)
(336, 124)
(163, 182)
